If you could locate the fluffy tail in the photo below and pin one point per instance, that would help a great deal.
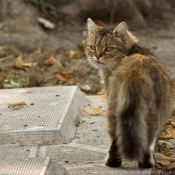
(132, 126)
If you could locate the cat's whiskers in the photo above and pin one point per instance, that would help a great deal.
(82, 66)
(110, 66)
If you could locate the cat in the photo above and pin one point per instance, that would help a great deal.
(139, 91)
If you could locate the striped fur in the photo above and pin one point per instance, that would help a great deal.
(140, 93)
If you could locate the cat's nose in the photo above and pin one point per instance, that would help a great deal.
(98, 56)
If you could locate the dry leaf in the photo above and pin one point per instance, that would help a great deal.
(76, 53)
(173, 124)
(19, 63)
(3, 76)
(160, 166)
(30, 64)
(68, 74)
(95, 111)
(21, 103)
(168, 154)
(86, 88)
(166, 144)
(71, 53)
(161, 159)
(51, 61)
(37, 51)
(168, 134)
(102, 97)
(169, 126)
(46, 23)
(61, 78)
(165, 153)
(102, 92)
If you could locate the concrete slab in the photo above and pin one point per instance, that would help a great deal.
(81, 159)
(50, 116)
(85, 154)
(33, 166)
(93, 129)
(72, 154)
(15, 151)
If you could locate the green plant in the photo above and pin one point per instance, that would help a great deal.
(45, 7)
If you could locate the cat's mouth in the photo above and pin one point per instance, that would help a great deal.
(98, 62)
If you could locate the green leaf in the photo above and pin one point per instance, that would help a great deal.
(16, 84)
(160, 158)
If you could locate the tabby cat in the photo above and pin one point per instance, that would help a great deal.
(139, 90)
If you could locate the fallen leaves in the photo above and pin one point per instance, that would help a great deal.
(169, 126)
(76, 53)
(163, 161)
(102, 97)
(21, 82)
(68, 74)
(46, 23)
(165, 144)
(168, 134)
(65, 76)
(37, 51)
(102, 92)
(168, 154)
(94, 111)
(61, 78)
(19, 63)
(86, 88)
(2, 76)
(173, 124)
(17, 105)
(51, 61)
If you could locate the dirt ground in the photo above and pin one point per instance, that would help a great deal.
(67, 65)
(64, 62)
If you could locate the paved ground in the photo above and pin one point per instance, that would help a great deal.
(82, 156)
(85, 153)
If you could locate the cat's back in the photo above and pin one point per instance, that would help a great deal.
(133, 67)
(144, 74)
(141, 64)
(140, 59)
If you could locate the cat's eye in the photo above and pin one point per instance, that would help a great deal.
(92, 47)
(109, 49)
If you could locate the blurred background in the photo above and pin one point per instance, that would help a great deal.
(41, 41)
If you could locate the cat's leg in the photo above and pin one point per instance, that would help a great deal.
(153, 146)
(148, 160)
(113, 158)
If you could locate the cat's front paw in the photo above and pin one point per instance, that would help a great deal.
(113, 161)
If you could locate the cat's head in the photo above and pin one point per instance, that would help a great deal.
(105, 47)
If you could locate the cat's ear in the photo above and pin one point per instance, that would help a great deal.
(91, 26)
(121, 31)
